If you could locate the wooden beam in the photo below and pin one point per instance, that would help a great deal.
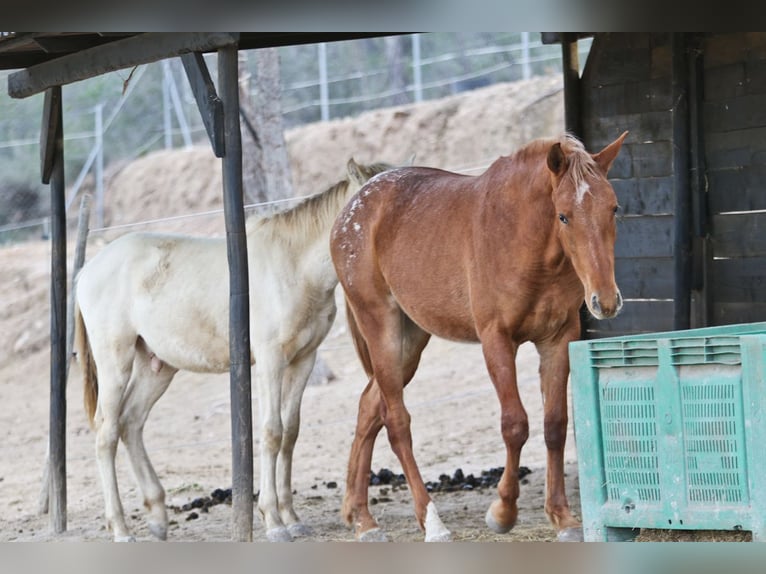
(58, 367)
(682, 232)
(51, 123)
(239, 302)
(125, 53)
(208, 102)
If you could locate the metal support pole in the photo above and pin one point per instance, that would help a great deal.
(571, 66)
(99, 175)
(57, 433)
(323, 90)
(417, 76)
(239, 303)
(166, 119)
(525, 67)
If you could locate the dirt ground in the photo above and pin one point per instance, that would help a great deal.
(455, 413)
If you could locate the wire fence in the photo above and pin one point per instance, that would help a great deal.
(430, 72)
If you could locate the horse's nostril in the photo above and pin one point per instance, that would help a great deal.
(595, 305)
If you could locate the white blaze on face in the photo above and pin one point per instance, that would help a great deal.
(582, 189)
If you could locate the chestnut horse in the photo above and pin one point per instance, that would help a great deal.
(500, 259)
(149, 305)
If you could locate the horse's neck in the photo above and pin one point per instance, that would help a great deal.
(303, 230)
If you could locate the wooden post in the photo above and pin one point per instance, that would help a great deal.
(52, 164)
(79, 260)
(571, 68)
(239, 310)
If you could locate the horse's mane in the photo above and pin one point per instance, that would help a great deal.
(304, 219)
(581, 163)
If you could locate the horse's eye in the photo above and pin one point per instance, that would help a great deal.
(616, 209)
(563, 218)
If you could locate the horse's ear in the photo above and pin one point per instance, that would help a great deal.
(606, 156)
(354, 171)
(557, 161)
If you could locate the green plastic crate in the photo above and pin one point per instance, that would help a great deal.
(670, 431)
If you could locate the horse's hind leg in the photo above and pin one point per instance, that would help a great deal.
(294, 382)
(372, 416)
(500, 355)
(114, 367)
(554, 372)
(150, 379)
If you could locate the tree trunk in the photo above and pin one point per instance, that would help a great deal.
(266, 167)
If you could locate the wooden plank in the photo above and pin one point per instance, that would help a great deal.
(653, 159)
(208, 102)
(51, 122)
(645, 278)
(725, 82)
(755, 81)
(644, 196)
(739, 280)
(726, 313)
(636, 317)
(645, 236)
(735, 113)
(739, 235)
(631, 97)
(740, 189)
(647, 126)
(736, 148)
(724, 48)
(124, 53)
(239, 303)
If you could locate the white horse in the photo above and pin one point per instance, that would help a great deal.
(150, 304)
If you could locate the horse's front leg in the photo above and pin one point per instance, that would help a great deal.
(500, 357)
(294, 383)
(269, 369)
(554, 374)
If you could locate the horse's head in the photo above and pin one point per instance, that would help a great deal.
(586, 206)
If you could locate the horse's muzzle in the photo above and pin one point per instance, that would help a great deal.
(605, 308)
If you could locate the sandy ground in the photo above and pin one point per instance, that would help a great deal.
(455, 413)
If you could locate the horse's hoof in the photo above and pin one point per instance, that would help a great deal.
(298, 530)
(572, 534)
(443, 536)
(373, 535)
(279, 534)
(493, 525)
(159, 531)
(125, 538)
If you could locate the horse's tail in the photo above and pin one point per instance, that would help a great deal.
(87, 365)
(360, 344)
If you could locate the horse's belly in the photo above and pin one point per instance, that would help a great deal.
(444, 318)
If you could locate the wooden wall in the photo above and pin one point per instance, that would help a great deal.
(734, 124)
(630, 82)
(627, 85)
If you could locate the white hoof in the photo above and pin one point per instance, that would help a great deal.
(493, 525)
(573, 534)
(159, 531)
(298, 530)
(279, 534)
(373, 535)
(435, 529)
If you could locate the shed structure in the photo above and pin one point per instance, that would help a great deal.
(691, 176)
(44, 62)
